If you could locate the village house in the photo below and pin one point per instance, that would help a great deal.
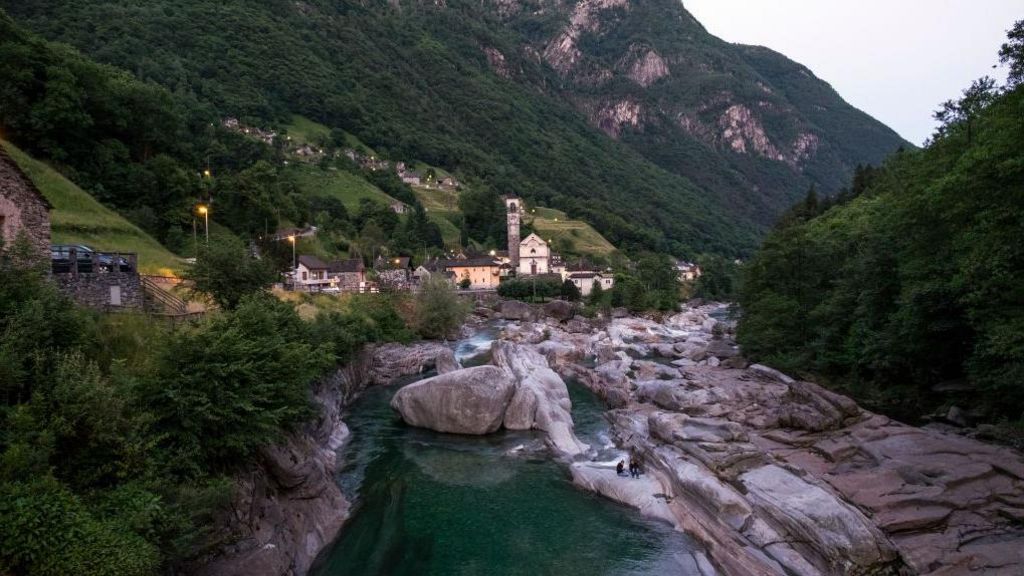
(483, 272)
(411, 178)
(586, 281)
(557, 265)
(24, 211)
(686, 271)
(311, 273)
(449, 183)
(314, 275)
(393, 273)
(399, 207)
(348, 275)
(429, 268)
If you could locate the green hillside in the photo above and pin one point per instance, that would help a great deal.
(77, 218)
(344, 186)
(569, 236)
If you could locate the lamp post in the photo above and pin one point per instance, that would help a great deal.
(294, 265)
(206, 220)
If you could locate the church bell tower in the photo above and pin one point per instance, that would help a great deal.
(514, 207)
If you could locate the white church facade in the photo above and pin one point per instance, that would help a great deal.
(534, 256)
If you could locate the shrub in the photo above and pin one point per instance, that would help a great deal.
(439, 310)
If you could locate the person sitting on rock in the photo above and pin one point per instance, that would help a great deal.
(620, 467)
(634, 469)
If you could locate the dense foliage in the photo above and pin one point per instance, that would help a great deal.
(410, 81)
(117, 436)
(440, 311)
(916, 278)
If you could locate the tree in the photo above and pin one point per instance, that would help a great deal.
(227, 273)
(570, 292)
(596, 296)
(439, 310)
(962, 112)
(719, 278)
(1012, 54)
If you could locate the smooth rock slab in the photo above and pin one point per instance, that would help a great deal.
(844, 537)
(467, 401)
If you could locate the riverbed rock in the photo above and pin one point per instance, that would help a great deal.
(841, 535)
(446, 362)
(541, 399)
(391, 361)
(560, 310)
(467, 401)
(645, 493)
(515, 310)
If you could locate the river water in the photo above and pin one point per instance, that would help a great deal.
(439, 504)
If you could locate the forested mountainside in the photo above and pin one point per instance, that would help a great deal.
(627, 114)
(908, 291)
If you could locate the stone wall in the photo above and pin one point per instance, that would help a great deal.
(102, 290)
(23, 209)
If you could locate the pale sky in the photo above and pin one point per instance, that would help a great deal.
(894, 59)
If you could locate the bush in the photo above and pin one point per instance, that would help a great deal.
(47, 531)
(439, 310)
(227, 273)
(531, 289)
(234, 383)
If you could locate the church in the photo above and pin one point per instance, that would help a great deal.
(531, 255)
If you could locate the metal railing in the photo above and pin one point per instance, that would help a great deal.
(170, 303)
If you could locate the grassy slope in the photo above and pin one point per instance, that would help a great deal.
(77, 218)
(348, 188)
(305, 131)
(554, 226)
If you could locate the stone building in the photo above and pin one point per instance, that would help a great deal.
(24, 211)
(513, 208)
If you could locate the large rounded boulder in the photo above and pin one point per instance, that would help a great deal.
(467, 401)
(515, 310)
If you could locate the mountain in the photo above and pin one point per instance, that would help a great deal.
(623, 113)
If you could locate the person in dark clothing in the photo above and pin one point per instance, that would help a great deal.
(633, 469)
(620, 467)
(636, 468)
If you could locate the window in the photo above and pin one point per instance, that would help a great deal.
(533, 250)
(304, 275)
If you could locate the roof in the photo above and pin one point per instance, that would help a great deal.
(470, 262)
(533, 235)
(312, 262)
(585, 275)
(350, 265)
(10, 164)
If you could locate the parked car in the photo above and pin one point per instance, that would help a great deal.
(60, 259)
(331, 290)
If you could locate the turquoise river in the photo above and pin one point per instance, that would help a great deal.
(435, 504)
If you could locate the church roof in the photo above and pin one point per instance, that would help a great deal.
(533, 235)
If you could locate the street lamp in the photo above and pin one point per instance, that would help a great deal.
(206, 220)
(292, 240)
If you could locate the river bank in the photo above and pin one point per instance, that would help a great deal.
(778, 476)
(762, 473)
